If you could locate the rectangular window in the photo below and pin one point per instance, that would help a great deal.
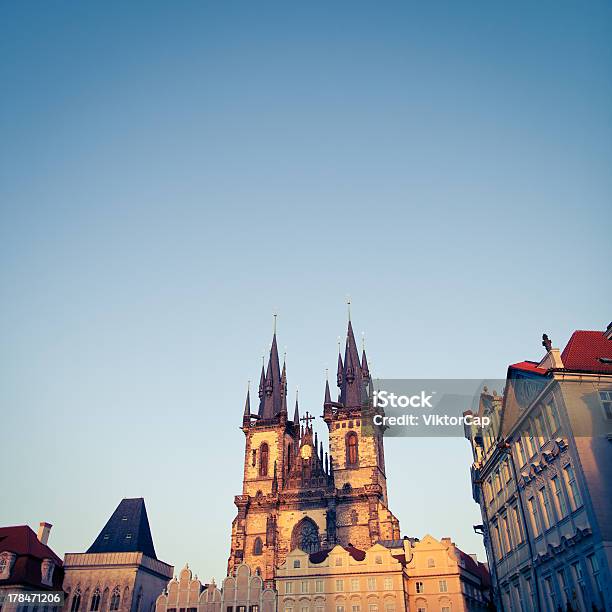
(506, 471)
(339, 586)
(319, 609)
(304, 586)
(338, 561)
(421, 609)
(518, 528)
(508, 534)
(520, 451)
(420, 587)
(443, 586)
(572, 487)
(304, 609)
(371, 584)
(545, 504)
(497, 482)
(497, 540)
(288, 589)
(319, 586)
(531, 440)
(355, 608)
(254, 608)
(550, 591)
(354, 584)
(296, 563)
(533, 516)
(445, 609)
(378, 559)
(373, 607)
(339, 608)
(390, 607)
(552, 418)
(558, 496)
(606, 403)
(388, 584)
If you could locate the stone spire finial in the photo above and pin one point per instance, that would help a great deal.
(546, 342)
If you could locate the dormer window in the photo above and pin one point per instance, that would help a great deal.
(6, 563)
(46, 571)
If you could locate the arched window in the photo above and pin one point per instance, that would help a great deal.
(263, 460)
(305, 536)
(353, 517)
(258, 547)
(258, 571)
(352, 449)
(76, 601)
(95, 601)
(115, 599)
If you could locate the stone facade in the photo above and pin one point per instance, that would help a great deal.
(120, 571)
(109, 582)
(296, 495)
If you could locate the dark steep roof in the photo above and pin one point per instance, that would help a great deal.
(127, 530)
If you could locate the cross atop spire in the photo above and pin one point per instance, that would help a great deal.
(307, 418)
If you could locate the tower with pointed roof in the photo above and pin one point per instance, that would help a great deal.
(297, 494)
(120, 570)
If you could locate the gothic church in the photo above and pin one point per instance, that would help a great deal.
(295, 495)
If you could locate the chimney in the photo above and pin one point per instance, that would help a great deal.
(43, 532)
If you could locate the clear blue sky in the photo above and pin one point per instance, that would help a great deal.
(172, 173)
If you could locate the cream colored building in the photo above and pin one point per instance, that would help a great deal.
(402, 575)
(343, 579)
(442, 578)
(241, 592)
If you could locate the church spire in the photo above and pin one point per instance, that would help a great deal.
(246, 417)
(364, 365)
(296, 414)
(327, 394)
(351, 380)
(271, 400)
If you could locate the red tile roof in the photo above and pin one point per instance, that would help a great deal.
(30, 553)
(528, 366)
(21, 540)
(584, 350)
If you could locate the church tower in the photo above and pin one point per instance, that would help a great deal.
(295, 495)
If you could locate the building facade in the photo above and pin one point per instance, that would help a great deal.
(27, 563)
(120, 571)
(343, 579)
(397, 576)
(542, 475)
(442, 578)
(295, 494)
(241, 592)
